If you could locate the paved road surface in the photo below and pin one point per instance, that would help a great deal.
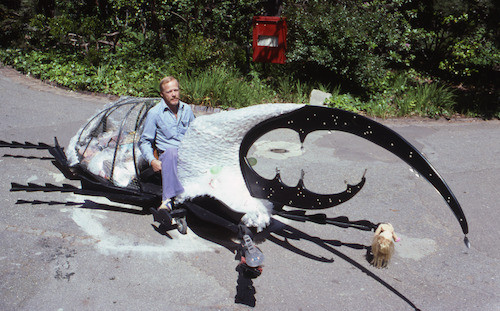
(69, 252)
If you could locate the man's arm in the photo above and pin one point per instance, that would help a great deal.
(148, 136)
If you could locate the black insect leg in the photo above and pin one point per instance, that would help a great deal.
(342, 221)
(251, 257)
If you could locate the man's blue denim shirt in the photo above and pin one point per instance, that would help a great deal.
(163, 130)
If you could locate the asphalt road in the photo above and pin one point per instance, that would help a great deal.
(60, 251)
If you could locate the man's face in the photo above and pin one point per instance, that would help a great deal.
(170, 92)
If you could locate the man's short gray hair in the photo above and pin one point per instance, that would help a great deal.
(167, 79)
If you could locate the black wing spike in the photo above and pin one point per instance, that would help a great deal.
(68, 186)
(44, 146)
(48, 187)
(25, 145)
(16, 187)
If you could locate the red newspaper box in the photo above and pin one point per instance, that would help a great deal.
(269, 39)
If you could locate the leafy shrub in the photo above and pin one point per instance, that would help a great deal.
(37, 34)
(470, 55)
(350, 40)
(345, 101)
(459, 37)
(71, 71)
(193, 53)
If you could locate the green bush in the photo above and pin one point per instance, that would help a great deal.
(470, 55)
(73, 72)
(400, 96)
(345, 101)
(456, 39)
(351, 41)
(193, 53)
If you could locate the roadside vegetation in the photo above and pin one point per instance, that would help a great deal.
(382, 58)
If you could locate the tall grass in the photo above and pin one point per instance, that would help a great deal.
(400, 95)
(223, 86)
(426, 100)
(292, 91)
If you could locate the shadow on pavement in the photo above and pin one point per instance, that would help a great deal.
(87, 204)
(289, 232)
(278, 233)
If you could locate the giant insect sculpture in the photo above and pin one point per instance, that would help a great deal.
(221, 184)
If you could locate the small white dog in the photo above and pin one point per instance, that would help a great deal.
(383, 245)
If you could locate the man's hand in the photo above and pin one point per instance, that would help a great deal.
(156, 165)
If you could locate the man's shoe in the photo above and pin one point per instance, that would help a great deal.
(167, 204)
(161, 215)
